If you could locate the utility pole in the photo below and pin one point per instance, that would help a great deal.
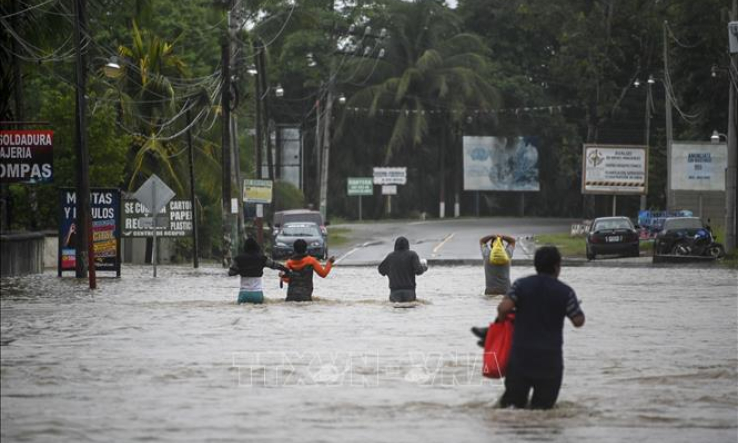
(669, 128)
(647, 136)
(234, 24)
(318, 150)
(85, 253)
(325, 152)
(258, 147)
(193, 200)
(225, 151)
(266, 118)
(730, 189)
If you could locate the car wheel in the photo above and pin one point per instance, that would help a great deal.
(590, 255)
(636, 252)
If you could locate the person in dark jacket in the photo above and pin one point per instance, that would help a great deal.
(250, 266)
(301, 268)
(401, 266)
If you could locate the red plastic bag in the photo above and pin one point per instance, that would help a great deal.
(497, 346)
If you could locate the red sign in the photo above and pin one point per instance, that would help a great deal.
(26, 156)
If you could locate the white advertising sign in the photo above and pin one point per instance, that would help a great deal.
(698, 166)
(615, 169)
(389, 189)
(390, 176)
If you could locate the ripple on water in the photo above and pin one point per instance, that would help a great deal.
(175, 358)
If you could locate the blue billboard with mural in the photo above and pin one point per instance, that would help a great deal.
(501, 163)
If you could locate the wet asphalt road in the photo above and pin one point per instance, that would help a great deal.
(446, 240)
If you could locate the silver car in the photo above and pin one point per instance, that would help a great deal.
(317, 245)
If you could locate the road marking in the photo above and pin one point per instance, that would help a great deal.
(440, 245)
(364, 245)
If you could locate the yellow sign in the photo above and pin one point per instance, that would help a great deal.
(257, 191)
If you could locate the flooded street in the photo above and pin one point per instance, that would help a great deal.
(175, 359)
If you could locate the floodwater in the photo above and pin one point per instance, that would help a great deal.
(174, 359)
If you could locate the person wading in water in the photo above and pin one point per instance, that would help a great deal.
(301, 268)
(541, 303)
(401, 266)
(496, 265)
(250, 266)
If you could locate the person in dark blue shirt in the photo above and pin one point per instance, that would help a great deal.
(541, 302)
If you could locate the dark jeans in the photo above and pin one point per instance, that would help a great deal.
(296, 293)
(402, 295)
(517, 388)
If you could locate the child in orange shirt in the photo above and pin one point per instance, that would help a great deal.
(301, 268)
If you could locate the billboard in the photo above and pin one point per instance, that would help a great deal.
(105, 208)
(615, 169)
(501, 163)
(174, 220)
(26, 156)
(698, 166)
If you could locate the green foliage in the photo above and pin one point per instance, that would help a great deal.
(440, 67)
(287, 196)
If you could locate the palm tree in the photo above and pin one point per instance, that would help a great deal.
(432, 77)
(148, 100)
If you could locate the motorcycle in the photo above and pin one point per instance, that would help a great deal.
(702, 244)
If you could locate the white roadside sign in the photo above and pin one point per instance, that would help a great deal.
(697, 166)
(615, 169)
(390, 176)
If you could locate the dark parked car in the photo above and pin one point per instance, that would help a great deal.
(281, 218)
(612, 235)
(674, 231)
(310, 232)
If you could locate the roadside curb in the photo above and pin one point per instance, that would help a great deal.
(642, 262)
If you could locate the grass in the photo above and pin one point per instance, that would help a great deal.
(571, 247)
(338, 236)
(568, 246)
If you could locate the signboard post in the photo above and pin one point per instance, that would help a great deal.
(390, 176)
(260, 193)
(359, 186)
(154, 194)
(614, 170)
(106, 229)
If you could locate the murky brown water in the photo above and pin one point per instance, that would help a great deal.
(173, 359)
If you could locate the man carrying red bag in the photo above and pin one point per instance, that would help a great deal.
(536, 361)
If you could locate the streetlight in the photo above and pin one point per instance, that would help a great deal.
(715, 137)
(279, 91)
(112, 69)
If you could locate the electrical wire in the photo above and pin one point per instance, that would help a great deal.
(30, 8)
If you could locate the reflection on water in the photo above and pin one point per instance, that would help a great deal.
(175, 358)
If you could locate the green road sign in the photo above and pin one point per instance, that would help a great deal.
(360, 186)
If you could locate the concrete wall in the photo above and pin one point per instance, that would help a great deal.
(133, 250)
(712, 205)
(21, 254)
(51, 250)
